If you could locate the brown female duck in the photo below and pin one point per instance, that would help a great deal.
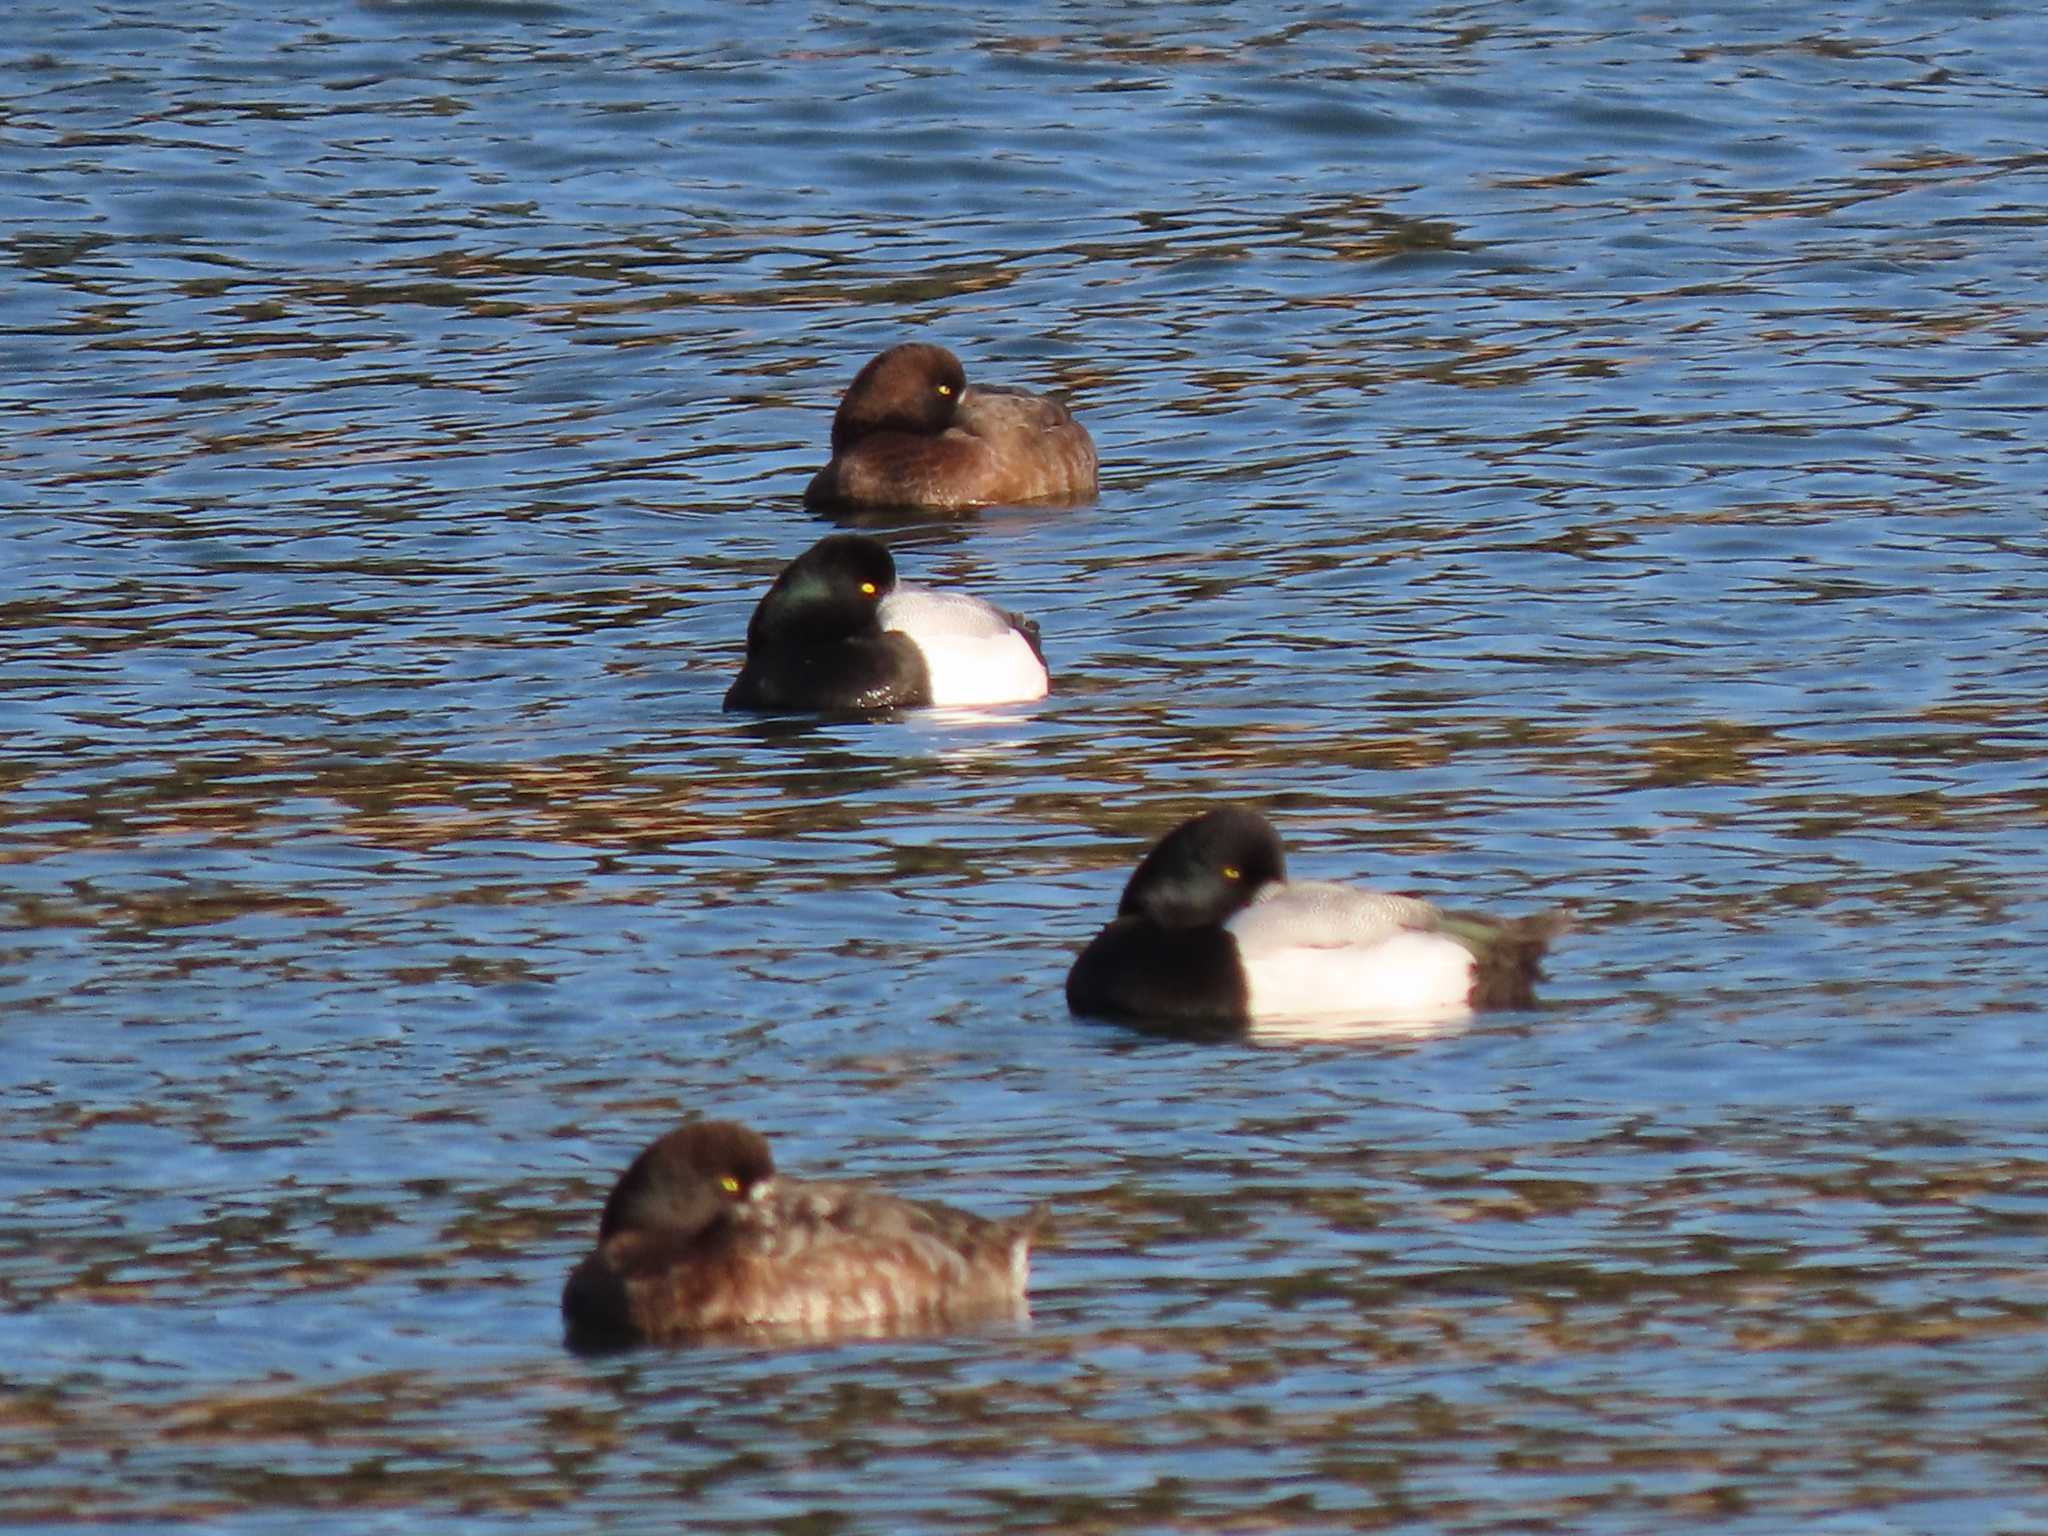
(913, 433)
(701, 1238)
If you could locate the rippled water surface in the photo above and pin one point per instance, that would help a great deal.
(1586, 455)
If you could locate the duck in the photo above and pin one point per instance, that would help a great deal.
(700, 1237)
(1212, 935)
(912, 433)
(837, 634)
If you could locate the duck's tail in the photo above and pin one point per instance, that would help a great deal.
(1023, 1231)
(1509, 951)
(1028, 628)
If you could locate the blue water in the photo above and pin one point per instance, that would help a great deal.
(1589, 456)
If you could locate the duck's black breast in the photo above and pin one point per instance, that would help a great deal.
(854, 674)
(1137, 970)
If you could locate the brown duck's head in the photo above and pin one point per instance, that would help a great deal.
(688, 1180)
(913, 388)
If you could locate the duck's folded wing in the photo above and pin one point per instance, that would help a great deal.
(1320, 914)
(922, 612)
(838, 1253)
(993, 410)
(1036, 450)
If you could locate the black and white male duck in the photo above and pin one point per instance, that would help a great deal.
(701, 1237)
(913, 433)
(1211, 934)
(837, 634)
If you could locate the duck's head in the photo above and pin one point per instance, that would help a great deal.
(829, 591)
(689, 1179)
(1205, 869)
(913, 388)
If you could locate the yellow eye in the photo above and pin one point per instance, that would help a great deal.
(867, 589)
(1232, 872)
(944, 389)
(729, 1184)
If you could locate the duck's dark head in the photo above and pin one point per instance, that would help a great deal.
(829, 591)
(914, 388)
(689, 1179)
(1205, 869)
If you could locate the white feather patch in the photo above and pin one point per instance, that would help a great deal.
(974, 653)
(1318, 951)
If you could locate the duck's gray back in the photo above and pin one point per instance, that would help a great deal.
(1321, 914)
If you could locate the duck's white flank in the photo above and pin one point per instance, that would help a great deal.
(1311, 949)
(974, 653)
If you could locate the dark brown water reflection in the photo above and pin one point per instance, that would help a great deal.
(1591, 458)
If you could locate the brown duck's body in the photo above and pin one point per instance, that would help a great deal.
(807, 1259)
(912, 433)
